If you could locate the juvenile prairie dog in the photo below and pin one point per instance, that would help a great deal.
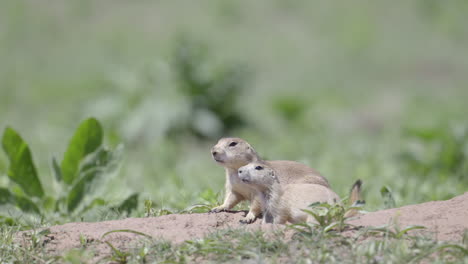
(233, 153)
(283, 202)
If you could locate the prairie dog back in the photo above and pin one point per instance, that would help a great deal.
(303, 195)
(288, 170)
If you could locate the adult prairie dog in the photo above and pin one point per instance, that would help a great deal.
(283, 203)
(233, 153)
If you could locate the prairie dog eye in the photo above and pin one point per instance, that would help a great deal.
(259, 168)
(233, 144)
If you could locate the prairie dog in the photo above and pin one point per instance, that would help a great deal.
(283, 203)
(233, 153)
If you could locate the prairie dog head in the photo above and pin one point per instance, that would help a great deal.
(258, 174)
(233, 153)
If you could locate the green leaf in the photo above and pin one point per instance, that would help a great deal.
(209, 196)
(95, 202)
(97, 164)
(78, 191)
(22, 169)
(25, 204)
(87, 138)
(330, 226)
(130, 204)
(389, 201)
(317, 217)
(126, 231)
(315, 204)
(8, 221)
(56, 169)
(197, 208)
(45, 232)
(48, 203)
(407, 229)
(382, 229)
(5, 196)
(121, 256)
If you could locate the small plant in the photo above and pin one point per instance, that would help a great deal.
(441, 152)
(240, 245)
(84, 165)
(328, 217)
(395, 232)
(120, 256)
(290, 108)
(212, 94)
(152, 211)
(389, 201)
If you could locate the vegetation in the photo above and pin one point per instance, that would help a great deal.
(322, 244)
(85, 163)
(373, 91)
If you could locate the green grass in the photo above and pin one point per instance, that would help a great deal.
(336, 88)
(238, 245)
(358, 90)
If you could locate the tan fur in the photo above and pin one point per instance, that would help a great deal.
(234, 157)
(284, 202)
(286, 207)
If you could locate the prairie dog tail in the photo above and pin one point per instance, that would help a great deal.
(354, 196)
(355, 193)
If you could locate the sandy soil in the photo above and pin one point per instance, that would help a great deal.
(445, 220)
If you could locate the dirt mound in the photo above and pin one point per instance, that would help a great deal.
(176, 228)
(447, 220)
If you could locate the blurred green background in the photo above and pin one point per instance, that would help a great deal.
(375, 90)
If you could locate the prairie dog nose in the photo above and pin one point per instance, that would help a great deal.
(214, 153)
(239, 171)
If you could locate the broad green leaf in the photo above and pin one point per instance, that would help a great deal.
(5, 196)
(87, 138)
(102, 159)
(2, 167)
(95, 202)
(389, 201)
(130, 204)
(25, 204)
(56, 169)
(22, 169)
(102, 162)
(330, 226)
(7, 221)
(82, 187)
(316, 216)
(314, 204)
(48, 203)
